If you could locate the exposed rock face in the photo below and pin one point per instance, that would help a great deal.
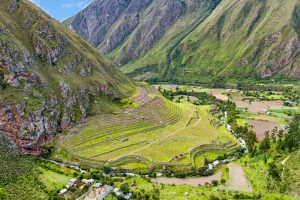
(49, 77)
(133, 25)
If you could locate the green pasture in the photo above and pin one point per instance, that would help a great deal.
(210, 156)
(52, 180)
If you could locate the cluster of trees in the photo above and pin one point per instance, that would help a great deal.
(249, 136)
(203, 97)
(150, 194)
(283, 142)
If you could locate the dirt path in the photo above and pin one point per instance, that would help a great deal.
(283, 163)
(237, 179)
(143, 97)
(188, 181)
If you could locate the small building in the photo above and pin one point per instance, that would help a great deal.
(159, 174)
(88, 181)
(128, 196)
(97, 185)
(63, 191)
(117, 192)
(215, 163)
(72, 182)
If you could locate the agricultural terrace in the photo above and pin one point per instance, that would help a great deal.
(158, 132)
(262, 110)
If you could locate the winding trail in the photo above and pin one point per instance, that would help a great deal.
(283, 164)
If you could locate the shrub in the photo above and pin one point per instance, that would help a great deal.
(125, 188)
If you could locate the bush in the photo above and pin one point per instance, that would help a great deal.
(125, 188)
(215, 183)
(3, 193)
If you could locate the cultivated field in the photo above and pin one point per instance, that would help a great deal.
(262, 110)
(158, 132)
(260, 127)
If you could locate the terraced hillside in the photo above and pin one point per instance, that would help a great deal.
(138, 135)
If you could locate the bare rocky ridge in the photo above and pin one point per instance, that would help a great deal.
(50, 79)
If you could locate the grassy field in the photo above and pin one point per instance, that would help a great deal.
(210, 156)
(52, 180)
(291, 174)
(183, 192)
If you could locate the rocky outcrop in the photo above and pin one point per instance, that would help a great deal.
(50, 79)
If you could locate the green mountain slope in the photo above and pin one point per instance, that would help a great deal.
(50, 78)
(240, 39)
(207, 40)
(126, 30)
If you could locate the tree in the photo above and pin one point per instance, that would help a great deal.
(266, 143)
(273, 171)
(215, 183)
(292, 139)
(107, 170)
(223, 181)
(3, 194)
(156, 194)
(265, 159)
(125, 188)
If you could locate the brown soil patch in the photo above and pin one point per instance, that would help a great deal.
(237, 179)
(260, 127)
(143, 98)
(171, 86)
(193, 98)
(218, 93)
(188, 181)
(258, 106)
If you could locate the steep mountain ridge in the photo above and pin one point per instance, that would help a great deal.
(242, 39)
(134, 27)
(207, 40)
(50, 78)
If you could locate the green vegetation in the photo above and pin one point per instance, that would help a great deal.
(218, 48)
(52, 180)
(291, 173)
(133, 140)
(18, 180)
